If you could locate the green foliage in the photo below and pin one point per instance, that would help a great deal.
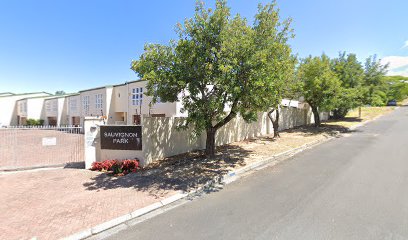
(397, 87)
(374, 84)
(351, 75)
(220, 61)
(378, 98)
(320, 84)
(60, 93)
(35, 122)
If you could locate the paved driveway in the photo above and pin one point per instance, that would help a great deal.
(50, 204)
(354, 187)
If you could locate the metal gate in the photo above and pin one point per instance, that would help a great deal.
(31, 147)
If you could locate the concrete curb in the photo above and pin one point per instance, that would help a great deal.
(124, 218)
(225, 179)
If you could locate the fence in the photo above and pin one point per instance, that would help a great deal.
(28, 147)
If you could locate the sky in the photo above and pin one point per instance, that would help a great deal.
(48, 45)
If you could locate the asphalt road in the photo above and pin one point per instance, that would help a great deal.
(353, 187)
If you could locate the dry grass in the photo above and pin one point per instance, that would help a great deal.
(403, 102)
(367, 114)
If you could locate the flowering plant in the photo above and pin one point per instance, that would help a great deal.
(118, 167)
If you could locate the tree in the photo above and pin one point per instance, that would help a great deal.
(290, 90)
(320, 85)
(374, 84)
(351, 74)
(279, 66)
(219, 67)
(60, 93)
(397, 87)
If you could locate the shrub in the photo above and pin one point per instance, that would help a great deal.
(35, 122)
(116, 167)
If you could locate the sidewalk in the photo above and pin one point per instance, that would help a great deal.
(51, 204)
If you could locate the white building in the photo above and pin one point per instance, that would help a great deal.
(9, 107)
(130, 104)
(74, 109)
(96, 102)
(123, 104)
(31, 108)
(56, 110)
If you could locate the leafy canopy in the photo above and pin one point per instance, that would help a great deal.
(350, 72)
(220, 66)
(320, 84)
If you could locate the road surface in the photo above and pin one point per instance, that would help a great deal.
(353, 187)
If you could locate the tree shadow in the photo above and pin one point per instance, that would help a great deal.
(181, 172)
(327, 128)
(346, 119)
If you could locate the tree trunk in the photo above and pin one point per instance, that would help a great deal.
(210, 142)
(316, 116)
(275, 122)
(276, 125)
(340, 113)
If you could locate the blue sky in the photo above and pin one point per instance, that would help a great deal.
(74, 45)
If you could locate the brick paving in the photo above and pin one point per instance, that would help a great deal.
(51, 204)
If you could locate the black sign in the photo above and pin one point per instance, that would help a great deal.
(121, 137)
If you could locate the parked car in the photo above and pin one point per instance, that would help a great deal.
(392, 103)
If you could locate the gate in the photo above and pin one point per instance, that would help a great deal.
(31, 147)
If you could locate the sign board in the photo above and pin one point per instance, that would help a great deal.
(121, 137)
(49, 141)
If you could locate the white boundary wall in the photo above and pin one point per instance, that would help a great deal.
(160, 137)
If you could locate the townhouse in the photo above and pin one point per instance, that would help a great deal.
(31, 108)
(56, 110)
(9, 106)
(74, 109)
(125, 104)
(95, 102)
(140, 105)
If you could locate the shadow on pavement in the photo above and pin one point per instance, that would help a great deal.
(181, 172)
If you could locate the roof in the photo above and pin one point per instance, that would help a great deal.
(36, 97)
(126, 83)
(22, 94)
(97, 88)
(7, 93)
(62, 96)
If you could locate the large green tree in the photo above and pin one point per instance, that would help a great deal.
(351, 75)
(374, 84)
(277, 61)
(219, 67)
(320, 85)
(397, 87)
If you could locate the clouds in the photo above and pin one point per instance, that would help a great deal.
(398, 65)
(405, 44)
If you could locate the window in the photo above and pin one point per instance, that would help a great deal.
(98, 101)
(137, 96)
(55, 106)
(85, 104)
(73, 105)
(48, 106)
(25, 106)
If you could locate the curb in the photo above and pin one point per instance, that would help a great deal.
(224, 179)
(124, 218)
